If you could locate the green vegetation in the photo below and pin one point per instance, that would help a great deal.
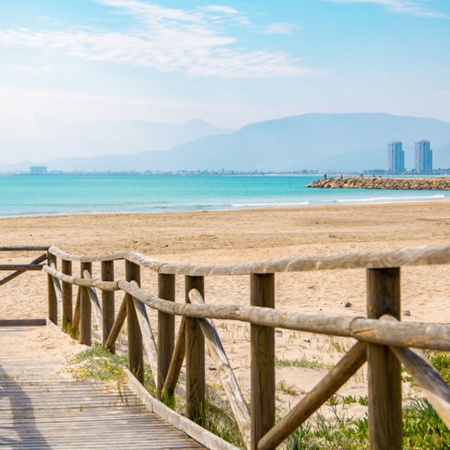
(305, 363)
(422, 427)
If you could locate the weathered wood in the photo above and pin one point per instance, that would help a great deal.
(147, 334)
(84, 282)
(176, 363)
(20, 267)
(85, 309)
(95, 304)
(67, 312)
(225, 372)
(77, 313)
(384, 370)
(25, 248)
(86, 258)
(107, 301)
(190, 428)
(432, 336)
(166, 330)
(135, 346)
(20, 272)
(58, 292)
(117, 326)
(22, 322)
(52, 301)
(195, 357)
(46, 409)
(426, 377)
(409, 256)
(328, 386)
(262, 339)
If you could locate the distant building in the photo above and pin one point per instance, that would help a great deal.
(396, 157)
(38, 170)
(423, 157)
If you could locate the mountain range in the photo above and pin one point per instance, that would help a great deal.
(324, 142)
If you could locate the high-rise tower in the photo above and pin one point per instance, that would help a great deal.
(423, 157)
(396, 157)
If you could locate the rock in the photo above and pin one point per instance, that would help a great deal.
(407, 312)
(346, 304)
(383, 183)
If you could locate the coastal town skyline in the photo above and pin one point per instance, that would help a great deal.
(229, 63)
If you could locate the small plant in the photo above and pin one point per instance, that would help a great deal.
(363, 400)
(286, 389)
(97, 363)
(303, 362)
(68, 328)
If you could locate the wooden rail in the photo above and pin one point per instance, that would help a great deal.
(381, 339)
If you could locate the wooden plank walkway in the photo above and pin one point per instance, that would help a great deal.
(42, 409)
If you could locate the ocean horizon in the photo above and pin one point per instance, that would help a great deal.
(67, 194)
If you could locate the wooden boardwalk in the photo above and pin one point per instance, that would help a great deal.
(42, 409)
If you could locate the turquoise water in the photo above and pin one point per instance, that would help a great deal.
(27, 195)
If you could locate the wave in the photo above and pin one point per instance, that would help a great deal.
(264, 205)
(391, 199)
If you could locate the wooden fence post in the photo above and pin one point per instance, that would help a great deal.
(135, 345)
(262, 293)
(384, 369)
(52, 301)
(67, 309)
(85, 309)
(166, 329)
(195, 357)
(107, 302)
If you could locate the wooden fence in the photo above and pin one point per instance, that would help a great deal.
(380, 338)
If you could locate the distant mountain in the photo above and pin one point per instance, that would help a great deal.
(326, 142)
(344, 142)
(51, 137)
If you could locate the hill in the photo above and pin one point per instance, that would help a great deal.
(326, 142)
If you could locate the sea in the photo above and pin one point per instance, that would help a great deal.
(60, 194)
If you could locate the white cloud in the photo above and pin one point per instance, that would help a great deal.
(410, 7)
(167, 40)
(221, 9)
(280, 28)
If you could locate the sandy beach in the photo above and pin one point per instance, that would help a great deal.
(249, 235)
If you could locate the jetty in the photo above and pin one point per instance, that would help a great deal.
(386, 183)
(87, 302)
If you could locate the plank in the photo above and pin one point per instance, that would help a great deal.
(39, 409)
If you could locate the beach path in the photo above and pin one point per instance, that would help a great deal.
(41, 406)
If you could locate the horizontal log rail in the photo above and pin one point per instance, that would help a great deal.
(408, 256)
(381, 339)
(35, 248)
(20, 267)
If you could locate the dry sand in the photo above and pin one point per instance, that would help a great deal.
(250, 235)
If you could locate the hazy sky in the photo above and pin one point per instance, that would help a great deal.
(229, 62)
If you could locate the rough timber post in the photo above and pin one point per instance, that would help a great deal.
(67, 309)
(135, 345)
(384, 369)
(166, 329)
(85, 309)
(195, 356)
(107, 301)
(262, 293)
(52, 299)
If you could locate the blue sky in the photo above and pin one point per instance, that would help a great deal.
(229, 62)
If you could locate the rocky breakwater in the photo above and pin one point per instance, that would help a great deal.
(419, 184)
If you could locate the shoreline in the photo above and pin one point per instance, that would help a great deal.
(264, 232)
(300, 205)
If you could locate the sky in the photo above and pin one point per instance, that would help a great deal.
(230, 62)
